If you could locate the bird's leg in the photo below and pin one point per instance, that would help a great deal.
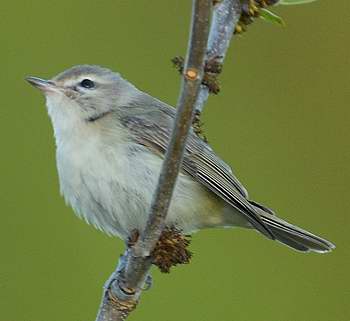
(148, 283)
(114, 289)
(132, 239)
(120, 268)
(134, 235)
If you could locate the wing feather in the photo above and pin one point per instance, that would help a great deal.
(153, 129)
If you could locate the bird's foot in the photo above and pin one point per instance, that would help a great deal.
(148, 283)
(119, 269)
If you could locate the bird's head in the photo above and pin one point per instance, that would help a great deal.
(83, 94)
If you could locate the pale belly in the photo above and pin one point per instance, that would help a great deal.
(112, 190)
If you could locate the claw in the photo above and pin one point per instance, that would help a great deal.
(118, 270)
(148, 283)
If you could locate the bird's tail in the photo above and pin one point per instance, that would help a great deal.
(292, 235)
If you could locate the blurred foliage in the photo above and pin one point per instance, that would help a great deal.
(293, 2)
(271, 17)
(252, 9)
(281, 120)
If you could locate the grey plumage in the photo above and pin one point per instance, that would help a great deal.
(110, 142)
(152, 128)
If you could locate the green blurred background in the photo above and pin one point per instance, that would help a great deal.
(282, 120)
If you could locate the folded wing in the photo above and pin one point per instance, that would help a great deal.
(153, 129)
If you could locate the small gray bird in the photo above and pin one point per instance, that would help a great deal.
(111, 139)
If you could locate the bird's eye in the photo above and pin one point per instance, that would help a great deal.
(87, 83)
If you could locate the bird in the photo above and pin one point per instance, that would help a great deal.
(111, 139)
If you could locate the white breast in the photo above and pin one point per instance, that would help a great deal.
(110, 183)
(105, 184)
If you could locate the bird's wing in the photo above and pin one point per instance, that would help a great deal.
(153, 130)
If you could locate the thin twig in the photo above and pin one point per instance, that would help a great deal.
(225, 17)
(124, 287)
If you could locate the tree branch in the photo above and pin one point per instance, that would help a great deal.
(225, 17)
(123, 289)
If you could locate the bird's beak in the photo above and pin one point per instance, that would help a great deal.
(42, 84)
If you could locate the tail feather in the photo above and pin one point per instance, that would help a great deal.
(294, 236)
